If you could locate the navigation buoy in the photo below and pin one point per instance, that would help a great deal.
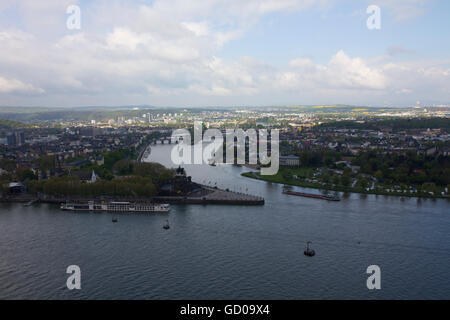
(309, 252)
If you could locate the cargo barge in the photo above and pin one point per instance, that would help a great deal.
(115, 206)
(310, 195)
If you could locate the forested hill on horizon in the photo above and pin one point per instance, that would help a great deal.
(10, 124)
(99, 113)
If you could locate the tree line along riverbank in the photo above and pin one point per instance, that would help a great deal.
(325, 179)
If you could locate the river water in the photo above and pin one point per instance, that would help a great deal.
(231, 252)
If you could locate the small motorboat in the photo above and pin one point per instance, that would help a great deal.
(30, 203)
(166, 226)
(309, 252)
(114, 220)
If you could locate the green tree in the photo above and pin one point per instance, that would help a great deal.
(345, 180)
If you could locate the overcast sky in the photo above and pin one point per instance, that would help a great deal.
(224, 53)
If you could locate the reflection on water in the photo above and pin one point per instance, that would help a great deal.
(231, 252)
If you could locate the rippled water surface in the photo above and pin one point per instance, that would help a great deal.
(230, 252)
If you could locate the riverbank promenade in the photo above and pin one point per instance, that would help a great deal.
(216, 196)
(208, 195)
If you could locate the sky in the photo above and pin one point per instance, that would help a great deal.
(224, 53)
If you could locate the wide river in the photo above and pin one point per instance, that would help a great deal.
(231, 252)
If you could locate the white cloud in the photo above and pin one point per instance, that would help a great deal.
(341, 72)
(132, 64)
(167, 53)
(14, 85)
(198, 28)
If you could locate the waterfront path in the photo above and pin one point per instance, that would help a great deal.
(216, 196)
(207, 196)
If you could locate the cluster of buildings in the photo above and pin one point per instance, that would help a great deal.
(429, 142)
(13, 138)
(77, 143)
(68, 148)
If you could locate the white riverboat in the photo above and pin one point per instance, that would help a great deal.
(115, 206)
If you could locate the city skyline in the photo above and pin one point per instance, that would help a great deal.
(219, 53)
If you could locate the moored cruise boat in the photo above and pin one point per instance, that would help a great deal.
(115, 206)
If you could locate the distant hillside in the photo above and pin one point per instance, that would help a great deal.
(37, 114)
(10, 124)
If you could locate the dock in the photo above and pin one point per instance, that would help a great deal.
(209, 195)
